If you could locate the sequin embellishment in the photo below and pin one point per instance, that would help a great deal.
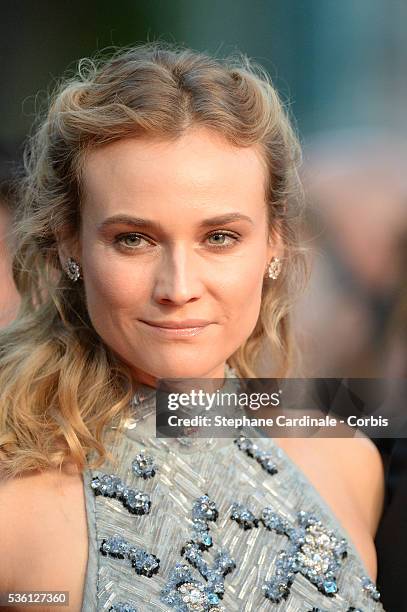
(144, 563)
(314, 551)
(143, 466)
(197, 583)
(183, 592)
(252, 450)
(370, 587)
(204, 509)
(122, 607)
(243, 516)
(110, 485)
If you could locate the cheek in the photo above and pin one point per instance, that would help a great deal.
(116, 289)
(243, 288)
(113, 287)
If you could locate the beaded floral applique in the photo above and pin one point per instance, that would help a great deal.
(144, 563)
(252, 450)
(243, 516)
(314, 551)
(110, 485)
(317, 557)
(185, 593)
(122, 607)
(144, 466)
(370, 587)
(136, 502)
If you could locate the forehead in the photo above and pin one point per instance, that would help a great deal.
(200, 166)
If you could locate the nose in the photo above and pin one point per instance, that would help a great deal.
(177, 278)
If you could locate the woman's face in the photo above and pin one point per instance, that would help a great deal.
(174, 233)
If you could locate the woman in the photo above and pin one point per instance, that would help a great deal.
(140, 165)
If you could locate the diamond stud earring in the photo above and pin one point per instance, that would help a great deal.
(72, 269)
(274, 268)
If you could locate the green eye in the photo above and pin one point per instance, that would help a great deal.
(129, 241)
(133, 241)
(222, 242)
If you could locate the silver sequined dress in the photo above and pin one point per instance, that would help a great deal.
(213, 525)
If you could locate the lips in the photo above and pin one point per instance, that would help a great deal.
(172, 330)
(186, 324)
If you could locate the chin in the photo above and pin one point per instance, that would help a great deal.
(188, 371)
(175, 362)
(183, 369)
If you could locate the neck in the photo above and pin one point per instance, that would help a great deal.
(143, 378)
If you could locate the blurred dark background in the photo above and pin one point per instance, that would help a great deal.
(340, 68)
(339, 64)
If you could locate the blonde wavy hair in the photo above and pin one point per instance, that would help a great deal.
(60, 385)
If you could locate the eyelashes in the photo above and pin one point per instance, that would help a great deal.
(132, 241)
(232, 237)
(121, 240)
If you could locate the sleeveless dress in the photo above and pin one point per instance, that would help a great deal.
(213, 525)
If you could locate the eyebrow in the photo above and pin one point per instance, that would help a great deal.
(147, 223)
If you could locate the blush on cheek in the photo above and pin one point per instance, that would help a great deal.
(107, 293)
(109, 282)
(246, 280)
(246, 294)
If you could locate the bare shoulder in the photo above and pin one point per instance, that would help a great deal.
(355, 462)
(362, 467)
(43, 531)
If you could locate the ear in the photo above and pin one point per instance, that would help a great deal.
(68, 246)
(275, 245)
